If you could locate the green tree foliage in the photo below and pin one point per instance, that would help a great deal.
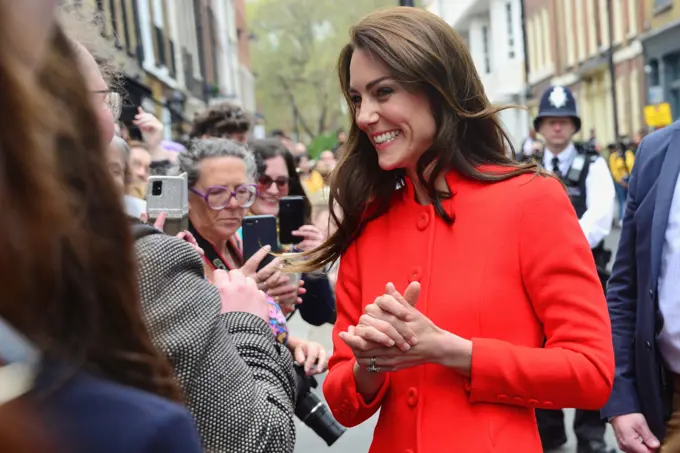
(294, 55)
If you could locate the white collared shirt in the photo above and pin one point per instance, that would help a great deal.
(596, 222)
(669, 287)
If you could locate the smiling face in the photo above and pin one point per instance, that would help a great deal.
(273, 185)
(398, 122)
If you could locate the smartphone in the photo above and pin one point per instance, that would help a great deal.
(292, 215)
(169, 195)
(258, 231)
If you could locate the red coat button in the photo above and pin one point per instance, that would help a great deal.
(423, 221)
(533, 403)
(502, 398)
(408, 450)
(412, 399)
(416, 275)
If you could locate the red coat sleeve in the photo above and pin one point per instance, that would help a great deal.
(339, 387)
(576, 366)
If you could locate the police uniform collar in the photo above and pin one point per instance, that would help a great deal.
(564, 156)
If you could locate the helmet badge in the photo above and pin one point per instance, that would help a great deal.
(558, 97)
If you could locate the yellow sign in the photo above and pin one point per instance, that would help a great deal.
(658, 115)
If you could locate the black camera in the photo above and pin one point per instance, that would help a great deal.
(313, 411)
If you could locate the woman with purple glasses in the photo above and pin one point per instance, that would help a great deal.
(221, 175)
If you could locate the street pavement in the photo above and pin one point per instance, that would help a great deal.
(358, 439)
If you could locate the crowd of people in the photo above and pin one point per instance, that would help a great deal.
(468, 304)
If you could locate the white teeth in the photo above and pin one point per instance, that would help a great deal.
(386, 137)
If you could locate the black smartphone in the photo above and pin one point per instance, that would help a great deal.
(258, 231)
(292, 214)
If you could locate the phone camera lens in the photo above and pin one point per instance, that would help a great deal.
(156, 188)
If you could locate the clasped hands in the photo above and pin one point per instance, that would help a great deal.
(394, 333)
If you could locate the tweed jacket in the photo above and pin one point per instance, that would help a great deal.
(239, 383)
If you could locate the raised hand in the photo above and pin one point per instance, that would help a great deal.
(240, 293)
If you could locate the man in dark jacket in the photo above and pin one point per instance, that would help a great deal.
(643, 301)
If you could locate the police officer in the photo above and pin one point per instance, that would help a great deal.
(591, 190)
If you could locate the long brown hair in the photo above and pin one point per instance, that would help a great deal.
(70, 270)
(425, 55)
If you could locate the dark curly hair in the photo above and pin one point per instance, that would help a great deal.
(221, 120)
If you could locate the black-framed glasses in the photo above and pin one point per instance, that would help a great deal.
(266, 181)
(112, 101)
(219, 197)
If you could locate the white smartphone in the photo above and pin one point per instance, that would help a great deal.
(169, 195)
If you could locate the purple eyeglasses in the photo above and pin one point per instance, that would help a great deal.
(218, 197)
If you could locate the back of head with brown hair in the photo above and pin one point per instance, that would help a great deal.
(221, 120)
(67, 262)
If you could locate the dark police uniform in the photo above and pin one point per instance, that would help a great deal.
(591, 191)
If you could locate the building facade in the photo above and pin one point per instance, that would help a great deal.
(493, 32)
(568, 44)
(175, 56)
(246, 78)
(661, 43)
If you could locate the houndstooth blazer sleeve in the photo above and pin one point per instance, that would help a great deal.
(239, 383)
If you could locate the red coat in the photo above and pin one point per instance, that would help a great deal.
(514, 268)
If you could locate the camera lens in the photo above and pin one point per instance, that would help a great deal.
(157, 188)
(311, 410)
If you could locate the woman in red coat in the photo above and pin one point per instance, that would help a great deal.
(502, 310)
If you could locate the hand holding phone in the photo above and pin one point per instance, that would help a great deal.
(259, 231)
(311, 237)
(292, 215)
(168, 195)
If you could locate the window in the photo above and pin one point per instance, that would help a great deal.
(485, 48)
(653, 73)
(115, 24)
(569, 37)
(662, 5)
(632, 18)
(511, 31)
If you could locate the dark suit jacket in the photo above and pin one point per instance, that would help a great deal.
(640, 383)
(87, 415)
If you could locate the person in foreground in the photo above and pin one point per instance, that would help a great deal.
(69, 291)
(644, 407)
(458, 264)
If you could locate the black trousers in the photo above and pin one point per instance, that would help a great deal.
(588, 427)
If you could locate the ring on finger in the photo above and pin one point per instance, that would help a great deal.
(640, 439)
(371, 366)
